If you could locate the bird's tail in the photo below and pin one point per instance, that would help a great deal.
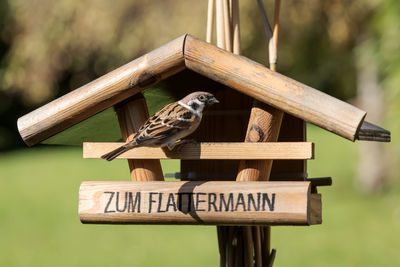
(116, 152)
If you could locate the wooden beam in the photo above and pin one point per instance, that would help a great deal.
(273, 88)
(102, 93)
(232, 151)
(221, 203)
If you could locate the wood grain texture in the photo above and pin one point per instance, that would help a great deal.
(102, 93)
(132, 114)
(264, 126)
(221, 203)
(232, 151)
(273, 88)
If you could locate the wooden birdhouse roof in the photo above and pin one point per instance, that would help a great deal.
(188, 52)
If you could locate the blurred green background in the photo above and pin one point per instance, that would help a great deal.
(349, 49)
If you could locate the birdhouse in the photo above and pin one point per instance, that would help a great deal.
(227, 177)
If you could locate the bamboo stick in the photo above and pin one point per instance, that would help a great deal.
(235, 27)
(248, 247)
(271, 258)
(222, 245)
(231, 246)
(239, 260)
(227, 26)
(257, 245)
(210, 21)
(273, 42)
(233, 151)
(264, 18)
(102, 93)
(220, 23)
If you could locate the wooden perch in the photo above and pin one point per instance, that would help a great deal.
(233, 151)
(221, 203)
(371, 132)
(186, 51)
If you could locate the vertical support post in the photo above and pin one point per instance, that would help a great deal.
(132, 113)
(264, 126)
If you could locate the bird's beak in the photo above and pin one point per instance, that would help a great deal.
(213, 100)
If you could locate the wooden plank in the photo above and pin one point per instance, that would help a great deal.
(273, 88)
(220, 203)
(231, 151)
(102, 93)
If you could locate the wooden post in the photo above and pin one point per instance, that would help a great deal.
(132, 113)
(264, 126)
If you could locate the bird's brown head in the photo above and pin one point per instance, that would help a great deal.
(198, 100)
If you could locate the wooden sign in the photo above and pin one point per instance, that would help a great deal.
(221, 203)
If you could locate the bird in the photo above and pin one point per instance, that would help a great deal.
(169, 125)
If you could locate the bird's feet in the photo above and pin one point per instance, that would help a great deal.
(180, 144)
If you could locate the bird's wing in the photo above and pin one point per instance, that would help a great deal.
(167, 122)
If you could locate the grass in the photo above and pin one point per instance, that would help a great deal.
(39, 224)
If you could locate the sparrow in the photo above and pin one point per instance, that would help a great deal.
(169, 125)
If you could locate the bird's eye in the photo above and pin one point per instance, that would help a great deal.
(202, 98)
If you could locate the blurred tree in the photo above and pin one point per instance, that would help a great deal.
(60, 45)
(386, 31)
(372, 168)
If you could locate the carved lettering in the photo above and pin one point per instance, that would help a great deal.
(270, 202)
(223, 202)
(186, 202)
(106, 209)
(133, 203)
